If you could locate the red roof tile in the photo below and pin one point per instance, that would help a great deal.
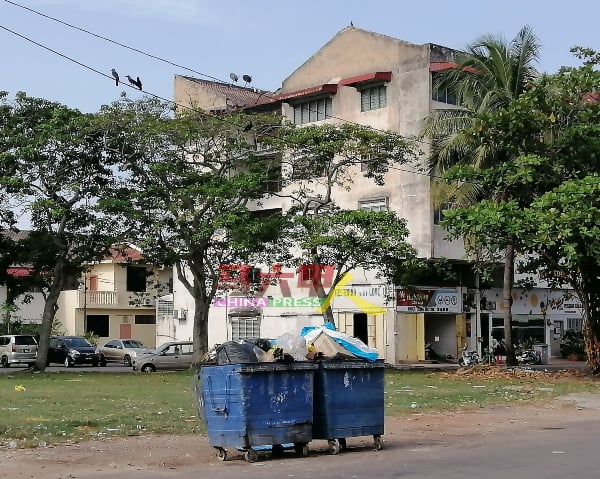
(367, 77)
(440, 66)
(313, 90)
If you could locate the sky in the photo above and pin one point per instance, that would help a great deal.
(266, 39)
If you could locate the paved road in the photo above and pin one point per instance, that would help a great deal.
(56, 368)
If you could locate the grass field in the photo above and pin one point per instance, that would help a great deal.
(69, 407)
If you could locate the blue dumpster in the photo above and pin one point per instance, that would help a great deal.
(348, 402)
(248, 405)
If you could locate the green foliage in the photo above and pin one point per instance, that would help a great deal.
(55, 165)
(572, 342)
(350, 239)
(189, 184)
(92, 337)
(545, 199)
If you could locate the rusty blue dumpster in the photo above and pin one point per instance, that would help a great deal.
(245, 406)
(348, 402)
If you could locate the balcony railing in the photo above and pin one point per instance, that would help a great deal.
(98, 298)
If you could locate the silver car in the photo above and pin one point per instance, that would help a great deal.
(123, 350)
(168, 356)
(17, 349)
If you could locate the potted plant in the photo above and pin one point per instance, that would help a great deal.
(572, 345)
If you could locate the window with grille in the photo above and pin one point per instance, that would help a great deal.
(245, 327)
(373, 98)
(313, 110)
(374, 204)
(575, 324)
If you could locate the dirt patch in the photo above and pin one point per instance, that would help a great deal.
(121, 457)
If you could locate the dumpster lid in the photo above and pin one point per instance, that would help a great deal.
(266, 367)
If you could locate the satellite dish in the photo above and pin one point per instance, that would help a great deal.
(234, 77)
(247, 79)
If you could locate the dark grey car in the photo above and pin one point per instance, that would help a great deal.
(72, 350)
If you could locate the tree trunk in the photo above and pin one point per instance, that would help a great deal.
(200, 335)
(50, 308)
(589, 295)
(509, 270)
(327, 312)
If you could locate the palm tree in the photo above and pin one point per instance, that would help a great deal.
(488, 76)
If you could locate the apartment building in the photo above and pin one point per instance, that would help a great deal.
(384, 83)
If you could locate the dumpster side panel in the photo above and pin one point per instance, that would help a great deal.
(280, 406)
(247, 406)
(348, 400)
(224, 412)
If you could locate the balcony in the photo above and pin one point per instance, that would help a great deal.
(112, 299)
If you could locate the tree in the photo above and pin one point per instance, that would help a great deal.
(349, 239)
(552, 211)
(488, 76)
(54, 164)
(319, 162)
(189, 186)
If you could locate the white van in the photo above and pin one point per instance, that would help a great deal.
(17, 349)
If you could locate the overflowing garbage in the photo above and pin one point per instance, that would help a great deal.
(276, 394)
(312, 344)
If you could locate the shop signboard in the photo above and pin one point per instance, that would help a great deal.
(440, 300)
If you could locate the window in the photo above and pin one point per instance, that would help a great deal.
(273, 179)
(575, 324)
(97, 324)
(136, 278)
(438, 213)
(145, 319)
(442, 95)
(373, 98)
(245, 327)
(303, 167)
(374, 204)
(313, 110)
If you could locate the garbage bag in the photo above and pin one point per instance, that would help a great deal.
(292, 344)
(233, 352)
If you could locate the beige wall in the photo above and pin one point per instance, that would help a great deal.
(111, 298)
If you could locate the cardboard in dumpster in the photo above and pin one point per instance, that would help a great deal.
(330, 348)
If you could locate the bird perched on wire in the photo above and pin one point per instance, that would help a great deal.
(135, 82)
(115, 76)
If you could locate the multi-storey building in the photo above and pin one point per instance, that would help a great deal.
(118, 297)
(385, 83)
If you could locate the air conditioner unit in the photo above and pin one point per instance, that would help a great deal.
(148, 301)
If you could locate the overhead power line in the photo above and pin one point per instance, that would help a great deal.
(265, 93)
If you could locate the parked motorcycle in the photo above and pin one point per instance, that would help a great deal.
(468, 358)
(529, 357)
